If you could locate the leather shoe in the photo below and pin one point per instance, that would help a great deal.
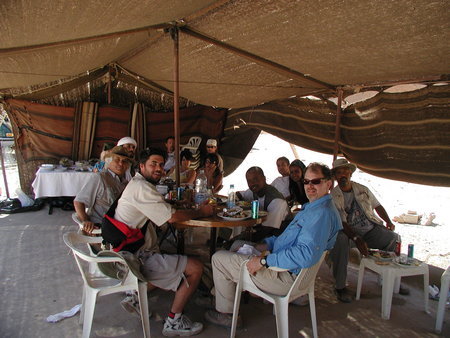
(343, 295)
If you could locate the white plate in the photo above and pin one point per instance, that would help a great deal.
(246, 213)
(47, 166)
(60, 169)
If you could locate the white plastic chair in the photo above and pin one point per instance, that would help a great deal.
(193, 144)
(95, 286)
(443, 294)
(80, 223)
(303, 285)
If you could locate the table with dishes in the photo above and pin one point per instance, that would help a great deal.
(56, 181)
(218, 220)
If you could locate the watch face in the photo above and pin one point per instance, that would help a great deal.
(263, 261)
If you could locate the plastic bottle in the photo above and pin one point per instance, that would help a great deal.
(201, 189)
(231, 202)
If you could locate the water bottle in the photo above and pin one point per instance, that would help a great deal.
(231, 202)
(201, 188)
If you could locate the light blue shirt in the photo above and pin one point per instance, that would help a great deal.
(310, 233)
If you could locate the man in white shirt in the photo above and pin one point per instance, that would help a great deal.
(270, 200)
(170, 149)
(281, 183)
(140, 207)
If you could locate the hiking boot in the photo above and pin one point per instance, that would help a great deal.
(181, 326)
(222, 319)
(131, 305)
(343, 295)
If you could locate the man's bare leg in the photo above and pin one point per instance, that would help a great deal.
(193, 273)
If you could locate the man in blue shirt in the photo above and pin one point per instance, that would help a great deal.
(301, 245)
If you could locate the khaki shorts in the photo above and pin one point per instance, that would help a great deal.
(163, 271)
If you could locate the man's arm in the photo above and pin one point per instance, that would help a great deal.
(205, 210)
(385, 217)
(80, 209)
(360, 243)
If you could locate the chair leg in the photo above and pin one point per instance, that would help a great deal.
(312, 309)
(442, 300)
(143, 304)
(426, 281)
(362, 266)
(237, 302)
(282, 318)
(386, 297)
(89, 307)
(83, 301)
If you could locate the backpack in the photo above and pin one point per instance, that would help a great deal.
(119, 234)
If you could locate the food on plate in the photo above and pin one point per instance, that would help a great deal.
(236, 212)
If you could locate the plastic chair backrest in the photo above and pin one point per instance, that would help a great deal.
(193, 144)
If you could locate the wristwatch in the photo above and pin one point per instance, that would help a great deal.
(354, 238)
(263, 262)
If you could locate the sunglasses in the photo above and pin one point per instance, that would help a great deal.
(210, 147)
(314, 181)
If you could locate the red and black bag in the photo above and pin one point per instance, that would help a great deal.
(119, 234)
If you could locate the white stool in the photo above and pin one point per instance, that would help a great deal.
(391, 274)
(445, 280)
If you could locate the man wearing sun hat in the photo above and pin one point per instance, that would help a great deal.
(361, 227)
(102, 189)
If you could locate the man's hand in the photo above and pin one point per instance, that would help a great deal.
(88, 227)
(390, 226)
(254, 265)
(362, 246)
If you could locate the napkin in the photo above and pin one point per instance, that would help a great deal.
(65, 314)
(247, 249)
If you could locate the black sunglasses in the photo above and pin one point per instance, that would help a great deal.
(314, 181)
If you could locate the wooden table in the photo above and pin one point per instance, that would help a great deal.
(213, 223)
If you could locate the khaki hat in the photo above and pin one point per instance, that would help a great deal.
(120, 151)
(211, 142)
(342, 162)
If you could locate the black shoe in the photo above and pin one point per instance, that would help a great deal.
(403, 290)
(343, 295)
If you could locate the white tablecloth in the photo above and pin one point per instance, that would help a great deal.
(54, 184)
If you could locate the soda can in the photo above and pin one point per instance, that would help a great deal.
(180, 191)
(398, 247)
(255, 209)
(410, 250)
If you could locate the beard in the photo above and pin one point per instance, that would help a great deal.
(343, 181)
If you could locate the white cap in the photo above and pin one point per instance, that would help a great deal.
(127, 140)
(211, 142)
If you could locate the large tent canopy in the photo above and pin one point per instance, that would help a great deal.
(257, 58)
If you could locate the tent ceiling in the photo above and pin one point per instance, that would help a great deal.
(345, 43)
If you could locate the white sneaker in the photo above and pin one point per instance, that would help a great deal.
(131, 305)
(182, 326)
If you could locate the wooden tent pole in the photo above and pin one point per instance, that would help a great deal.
(4, 171)
(109, 84)
(337, 133)
(176, 95)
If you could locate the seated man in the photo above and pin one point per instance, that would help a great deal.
(141, 202)
(282, 182)
(301, 245)
(129, 144)
(102, 189)
(170, 149)
(211, 148)
(356, 205)
(270, 200)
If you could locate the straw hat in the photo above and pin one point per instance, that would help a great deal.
(342, 162)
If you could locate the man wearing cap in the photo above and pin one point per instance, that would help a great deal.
(129, 144)
(102, 189)
(361, 227)
(211, 148)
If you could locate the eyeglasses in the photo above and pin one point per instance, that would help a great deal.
(314, 181)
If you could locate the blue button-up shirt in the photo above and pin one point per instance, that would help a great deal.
(310, 233)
